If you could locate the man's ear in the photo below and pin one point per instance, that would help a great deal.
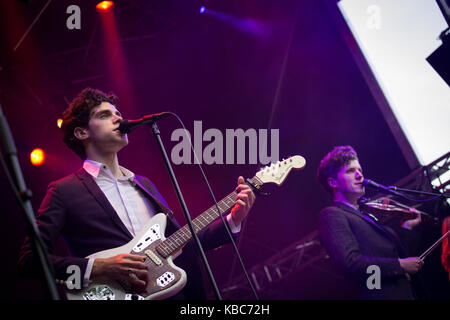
(81, 133)
(332, 182)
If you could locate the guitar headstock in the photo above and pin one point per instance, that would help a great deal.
(277, 172)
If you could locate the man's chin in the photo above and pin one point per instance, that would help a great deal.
(123, 143)
(360, 193)
(124, 139)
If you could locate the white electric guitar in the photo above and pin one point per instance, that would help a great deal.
(166, 279)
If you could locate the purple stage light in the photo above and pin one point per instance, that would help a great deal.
(202, 9)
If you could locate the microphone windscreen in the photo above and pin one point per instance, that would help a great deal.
(125, 126)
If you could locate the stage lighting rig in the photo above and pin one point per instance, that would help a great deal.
(104, 6)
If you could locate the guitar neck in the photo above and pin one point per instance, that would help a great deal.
(275, 173)
(179, 238)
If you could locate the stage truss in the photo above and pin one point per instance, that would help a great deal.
(296, 257)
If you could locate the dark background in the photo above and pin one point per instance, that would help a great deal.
(258, 64)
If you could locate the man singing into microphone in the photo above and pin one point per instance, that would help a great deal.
(103, 206)
(356, 241)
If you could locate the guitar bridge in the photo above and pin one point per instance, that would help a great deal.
(165, 279)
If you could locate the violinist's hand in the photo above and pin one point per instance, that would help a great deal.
(411, 265)
(412, 223)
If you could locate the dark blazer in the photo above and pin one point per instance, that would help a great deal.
(354, 241)
(76, 209)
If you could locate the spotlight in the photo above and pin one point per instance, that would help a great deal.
(59, 123)
(202, 9)
(104, 6)
(37, 157)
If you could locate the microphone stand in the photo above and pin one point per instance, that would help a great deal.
(24, 195)
(157, 134)
(419, 192)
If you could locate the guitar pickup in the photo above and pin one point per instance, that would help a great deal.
(152, 256)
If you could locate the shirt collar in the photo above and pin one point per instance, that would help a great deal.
(95, 168)
(348, 205)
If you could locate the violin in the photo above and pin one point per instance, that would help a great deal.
(386, 208)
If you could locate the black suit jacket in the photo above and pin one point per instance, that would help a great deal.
(355, 241)
(76, 209)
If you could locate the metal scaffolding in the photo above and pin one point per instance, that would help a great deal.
(296, 257)
(433, 178)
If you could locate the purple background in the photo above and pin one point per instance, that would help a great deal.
(232, 69)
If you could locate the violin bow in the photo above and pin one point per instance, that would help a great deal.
(428, 251)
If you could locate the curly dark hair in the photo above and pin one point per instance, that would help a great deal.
(78, 115)
(333, 162)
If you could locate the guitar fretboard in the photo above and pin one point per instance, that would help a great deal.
(179, 238)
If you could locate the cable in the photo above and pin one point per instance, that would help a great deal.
(419, 192)
(217, 207)
(9, 178)
(23, 196)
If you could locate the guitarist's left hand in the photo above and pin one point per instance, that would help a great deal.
(244, 201)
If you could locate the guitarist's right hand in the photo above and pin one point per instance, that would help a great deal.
(128, 267)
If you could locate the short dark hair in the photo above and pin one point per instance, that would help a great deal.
(78, 115)
(333, 162)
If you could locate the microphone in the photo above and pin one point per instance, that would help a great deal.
(127, 126)
(380, 187)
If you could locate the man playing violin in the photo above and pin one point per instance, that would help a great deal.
(354, 240)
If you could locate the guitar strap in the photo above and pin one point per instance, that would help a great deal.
(152, 194)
